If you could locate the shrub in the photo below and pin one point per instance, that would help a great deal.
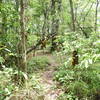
(83, 83)
(67, 96)
(10, 83)
(79, 89)
(6, 84)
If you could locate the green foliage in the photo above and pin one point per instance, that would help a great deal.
(6, 84)
(8, 38)
(32, 39)
(34, 82)
(11, 81)
(37, 63)
(7, 56)
(79, 89)
(88, 48)
(81, 82)
(1, 60)
(68, 96)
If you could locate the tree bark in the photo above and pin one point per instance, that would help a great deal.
(75, 52)
(3, 19)
(55, 22)
(72, 15)
(22, 43)
(96, 14)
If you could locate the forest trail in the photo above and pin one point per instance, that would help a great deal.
(50, 92)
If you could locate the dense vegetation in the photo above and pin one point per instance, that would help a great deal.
(62, 36)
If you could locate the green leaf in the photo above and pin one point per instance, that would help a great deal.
(1, 59)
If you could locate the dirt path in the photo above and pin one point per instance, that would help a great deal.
(47, 79)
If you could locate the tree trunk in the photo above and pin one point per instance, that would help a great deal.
(22, 43)
(75, 52)
(55, 22)
(17, 5)
(96, 14)
(3, 19)
(72, 15)
(17, 31)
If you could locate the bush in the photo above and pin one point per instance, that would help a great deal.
(6, 84)
(67, 96)
(10, 83)
(83, 83)
(79, 89)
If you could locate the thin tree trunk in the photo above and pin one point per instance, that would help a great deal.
(53, 12)
(3, 19)
(75, 52)
(22, 44)
(17, 5)
(72, 15)
(96, 14)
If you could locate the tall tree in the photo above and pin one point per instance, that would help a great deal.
(55, 10)
(22, 44)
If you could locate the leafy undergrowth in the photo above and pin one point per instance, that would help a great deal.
(11, 81)
(5, 83)
(79, 83)
(39, 83)
(73, 83)
(11, 89)
(37, 63)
